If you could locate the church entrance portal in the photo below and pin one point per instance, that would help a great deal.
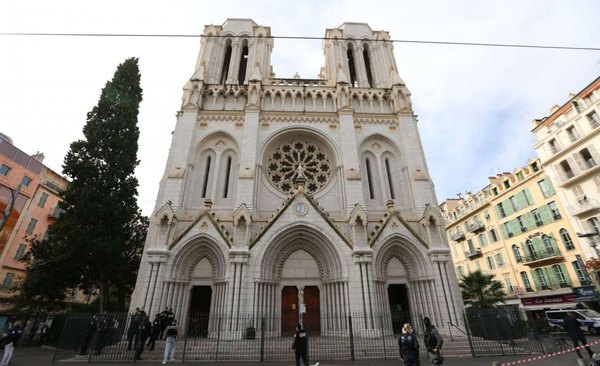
(200, 310)
(398, 297)
(290, 310)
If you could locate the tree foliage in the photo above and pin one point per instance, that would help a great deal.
(96, 241)
(481, 290)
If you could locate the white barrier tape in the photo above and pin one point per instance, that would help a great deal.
(548, 355)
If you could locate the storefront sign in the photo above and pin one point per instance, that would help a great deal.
(549, 300)
(585, 293)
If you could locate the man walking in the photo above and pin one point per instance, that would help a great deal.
(300, 344)
(9, 343)
(433, 342)
(573, 329)
(171, 333)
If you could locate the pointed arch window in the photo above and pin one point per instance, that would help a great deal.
(369, 178)
(206, 180)
(351, 65)
(226, 62)
(227, 177)
(367, 60)
(243, 63)
(388, 171)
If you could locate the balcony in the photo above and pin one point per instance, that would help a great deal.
(475, 226)
(474, 253)
(583, 206)
(542, 257)
(55, 213)
(457, 235)
(553, 285)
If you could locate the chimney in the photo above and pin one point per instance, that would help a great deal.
(39, 156)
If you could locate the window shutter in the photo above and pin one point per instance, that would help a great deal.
(574, 165)
(508, 209)
(552, 277)
(579, 161)
(594, 153)
(559, 172)
(536, 281)
(528, 197)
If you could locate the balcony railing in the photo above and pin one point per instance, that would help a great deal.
(474, 253)
(541, 256)
(583, 207)
(553, 285)
(475, 226)
(457, 235)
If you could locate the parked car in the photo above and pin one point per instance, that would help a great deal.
(588, 319)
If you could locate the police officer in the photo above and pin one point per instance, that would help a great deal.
(299, 345)
(144, 329)
(133, 327)
(409, 346)
(156, 327)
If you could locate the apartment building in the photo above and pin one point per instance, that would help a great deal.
(29, 196)
(567, 142)
(517, 229)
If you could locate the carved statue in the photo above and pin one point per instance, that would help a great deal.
(300, 171)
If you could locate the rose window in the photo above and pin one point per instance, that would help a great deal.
(284, 162)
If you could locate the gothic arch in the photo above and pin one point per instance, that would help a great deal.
(191, 252)
(397, 246)
(300, 237)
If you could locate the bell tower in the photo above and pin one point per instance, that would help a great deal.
(234, 52)
(363, 58)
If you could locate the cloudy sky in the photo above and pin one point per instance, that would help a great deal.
(475, 104)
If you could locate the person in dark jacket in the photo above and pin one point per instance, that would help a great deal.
(144, 330)
(433, 342)
(300, 345)
(133, 327)
(573, 329)
(156, 327)
(10, 340)
(409, 346)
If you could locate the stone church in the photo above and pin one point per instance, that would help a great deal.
(297, 199)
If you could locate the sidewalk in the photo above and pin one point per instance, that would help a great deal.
(25, 356)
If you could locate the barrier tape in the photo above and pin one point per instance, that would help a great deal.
(548, 355)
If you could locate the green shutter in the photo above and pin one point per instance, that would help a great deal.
(528, 197)
(566, 273)
(536, 281)
(549, 187)
(507, 207)
(498, 212)
(545, 214)
(552, 277)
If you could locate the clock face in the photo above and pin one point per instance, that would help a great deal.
(301, 208)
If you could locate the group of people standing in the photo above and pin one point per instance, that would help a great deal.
(408, 344)
(164, 326)
(105, 325)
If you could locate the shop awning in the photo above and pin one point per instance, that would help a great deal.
(565, 305)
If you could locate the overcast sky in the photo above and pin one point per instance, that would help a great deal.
(475, 104)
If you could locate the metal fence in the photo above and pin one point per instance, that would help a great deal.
(252, 337)
(93, 338)
(502, 331)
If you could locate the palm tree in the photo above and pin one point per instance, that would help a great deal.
(481, 290)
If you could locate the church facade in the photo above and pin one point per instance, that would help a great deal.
(297, 199)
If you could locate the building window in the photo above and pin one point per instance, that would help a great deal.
(205, 182)
(490, 262)
(351, 65)
(554, 147)
(572, 133)
(579, 268)
(506, 184)
(537, 217)
(227, 177)
(517, 253)
(586, 156)
(243, 63)
(508, 284)
(594, 119)
(500, 210)
(482, 240)
(499, 260)
(478, 266)
(555, 211)
(594, 225)
(7, 281)
(389, 177)
(526, 282)
(20, 251)
(368, 64)
(542, 278)
(561, 275)
(31, 226)
(548, 244)
(459, 271)
(43, 199)
(26, 181)
(370, 178)
(546, 188)
(4, 170)
(566, 169)
(534, 166)
(226, 62)
(493, 236)
(520, 176)
(522, 224)
(566, 238)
